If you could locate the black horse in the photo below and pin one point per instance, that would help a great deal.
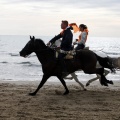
(84, 59)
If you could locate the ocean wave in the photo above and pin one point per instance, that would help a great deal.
(4, 62)
(14, 54)
(112, 53)
(17, 54)
(28, 64)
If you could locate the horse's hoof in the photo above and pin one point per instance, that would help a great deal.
(85, 89)
(87, 84)
(66, 92)
(111, 82)
(105, 84)
(32, 94)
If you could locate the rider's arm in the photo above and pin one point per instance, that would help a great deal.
(55, 38)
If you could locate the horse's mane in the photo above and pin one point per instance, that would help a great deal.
(41, 42)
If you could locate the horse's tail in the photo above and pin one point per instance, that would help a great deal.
(106, 62)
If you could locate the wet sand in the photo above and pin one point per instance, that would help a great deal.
(97, 103)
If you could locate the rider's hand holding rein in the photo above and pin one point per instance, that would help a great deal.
(48, 44)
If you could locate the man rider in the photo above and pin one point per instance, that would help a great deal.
(66, 43)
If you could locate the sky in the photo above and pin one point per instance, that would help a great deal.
(43, 17)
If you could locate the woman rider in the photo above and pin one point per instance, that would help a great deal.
(82, 37)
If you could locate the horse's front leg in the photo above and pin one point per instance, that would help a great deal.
(64, 84)
(44, 79)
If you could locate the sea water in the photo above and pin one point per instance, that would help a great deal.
(16, 68)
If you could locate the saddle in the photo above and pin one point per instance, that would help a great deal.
(69, 54)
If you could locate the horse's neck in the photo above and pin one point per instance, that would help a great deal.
(46, 57)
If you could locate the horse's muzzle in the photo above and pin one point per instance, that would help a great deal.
(22, 55)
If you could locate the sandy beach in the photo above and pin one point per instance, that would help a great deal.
(97, 103)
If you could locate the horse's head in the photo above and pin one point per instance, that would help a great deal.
(33, 45)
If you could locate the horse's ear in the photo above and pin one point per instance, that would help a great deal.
(30, 37)
(33, 37)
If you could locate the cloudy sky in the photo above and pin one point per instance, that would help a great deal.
(43, 17)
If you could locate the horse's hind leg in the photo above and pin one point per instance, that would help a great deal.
(100, 71)
(103, 79)
(107, 81)
(64, 84)
(76, 79)
(106, 72)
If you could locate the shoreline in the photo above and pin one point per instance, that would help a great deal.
(56, 83)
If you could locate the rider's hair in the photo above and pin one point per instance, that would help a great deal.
(65, 22)
(83, 26)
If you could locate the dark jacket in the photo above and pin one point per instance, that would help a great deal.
(67, 38)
